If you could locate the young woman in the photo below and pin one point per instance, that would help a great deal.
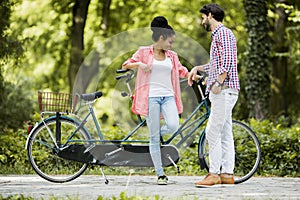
(157, 88)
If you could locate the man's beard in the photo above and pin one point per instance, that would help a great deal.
(207, 26)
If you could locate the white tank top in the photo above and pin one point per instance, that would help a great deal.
(160, 78)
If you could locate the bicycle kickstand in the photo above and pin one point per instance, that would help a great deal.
(103, 175)
(172, 161)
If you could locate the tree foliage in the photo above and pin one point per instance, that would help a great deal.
(54, 48)
(13, 98)
(9, 45)
(284, 18)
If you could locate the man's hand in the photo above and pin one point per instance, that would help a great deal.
(216, 87)
(193, 76)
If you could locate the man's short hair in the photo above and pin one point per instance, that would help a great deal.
(215, 10)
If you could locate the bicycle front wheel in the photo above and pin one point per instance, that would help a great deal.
(247, 152)
(42, 151)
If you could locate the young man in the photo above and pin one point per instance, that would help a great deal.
(223, 87)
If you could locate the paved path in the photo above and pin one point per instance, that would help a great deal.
(179, 187)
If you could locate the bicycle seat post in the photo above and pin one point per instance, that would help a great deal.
(58, 129)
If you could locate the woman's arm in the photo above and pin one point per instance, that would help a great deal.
(131, 65)
(135, 65)
(135, 62)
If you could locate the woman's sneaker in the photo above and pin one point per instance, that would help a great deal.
(162, 180)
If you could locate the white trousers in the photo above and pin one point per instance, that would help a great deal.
(219, 132)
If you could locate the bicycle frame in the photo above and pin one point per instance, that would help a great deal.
(194, 124)
(189, 122)
(198, 121)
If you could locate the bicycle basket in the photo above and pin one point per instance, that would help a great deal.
(54, 102)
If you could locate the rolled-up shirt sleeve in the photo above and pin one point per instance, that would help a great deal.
(183, 71)
(135, 58)
(206, 68)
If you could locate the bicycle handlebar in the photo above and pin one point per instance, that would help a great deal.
(122, 70)
(120, 77)
(129, 75)
(91, 96)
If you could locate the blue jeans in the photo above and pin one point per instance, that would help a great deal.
(166, 107)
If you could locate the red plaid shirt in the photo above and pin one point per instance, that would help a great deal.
(223, 58)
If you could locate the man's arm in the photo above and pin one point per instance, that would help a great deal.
(192, 76)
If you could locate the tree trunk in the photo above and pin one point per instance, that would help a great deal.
(257, 81)
(280, 64)
(80, 11)
(105, 15)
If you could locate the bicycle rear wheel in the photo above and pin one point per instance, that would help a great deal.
(247, 152)
(42, 151)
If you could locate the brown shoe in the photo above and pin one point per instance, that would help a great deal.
(209, 180)
(227, 178)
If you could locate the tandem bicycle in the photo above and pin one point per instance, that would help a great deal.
(60, 147)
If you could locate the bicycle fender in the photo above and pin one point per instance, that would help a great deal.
(29, 135)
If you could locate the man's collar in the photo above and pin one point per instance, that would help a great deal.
(216, 30)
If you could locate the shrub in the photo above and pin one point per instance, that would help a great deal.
(15, 105)
(279, 146)
(13, 155)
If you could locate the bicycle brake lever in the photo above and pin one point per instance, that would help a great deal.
(122, 70)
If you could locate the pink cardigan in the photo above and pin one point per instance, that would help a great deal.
(145, 55)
